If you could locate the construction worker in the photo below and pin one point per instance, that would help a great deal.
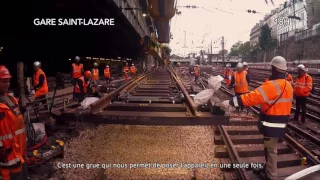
(81, 85)
(77, 72)
(196, 73)
(107, 74)
(40, 85)
(289, 78)
(126, 71)
(95, 72)
(302, 89)
(246, 68)
(227, 74)
(275, 97)
(132, 70)
(13, 141)
(240, 80)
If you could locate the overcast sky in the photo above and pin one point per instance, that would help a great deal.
(215, 23)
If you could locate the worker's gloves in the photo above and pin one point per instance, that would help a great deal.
(225, 106)
(33, 92)
(4, 154)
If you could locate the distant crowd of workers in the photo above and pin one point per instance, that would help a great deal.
(13, 139)
(275, 96)
(85, 82)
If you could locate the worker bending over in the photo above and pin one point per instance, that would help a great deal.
(275, 97)
(81, 86)
(107, 74)
(126, 71)
(196, 73)
(302, 89)
(13, 140)
(227, 74)
(77, 72)
(95, 72)
(133, 70)
(40, 85)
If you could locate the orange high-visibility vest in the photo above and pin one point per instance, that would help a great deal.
(126, 69)
(77, 70)
(12, 136)
(289, 78)
(273, 118)
(95, 74)
(197, 71)
(240, 82)
(107, 72)
(44, 89)
(227, 73)
(132, 69)
(303, 85)
(84, 85)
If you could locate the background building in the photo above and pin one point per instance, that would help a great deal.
(255, 33)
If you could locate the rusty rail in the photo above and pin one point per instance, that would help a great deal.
(190, 102)
(103, 102)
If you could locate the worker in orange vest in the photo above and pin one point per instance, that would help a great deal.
(246, 68)
(275, 97)
(302, 89)
(76, 72)
(107, 74)
(95, 72)
(126, 71)
(13, 140)
(40, 85)
(240, 80)
(227, 74)
(132, 70)
(289, 78)
(196, 73)
(81, 85)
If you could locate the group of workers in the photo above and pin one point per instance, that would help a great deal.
(85, 82)
(275, 96)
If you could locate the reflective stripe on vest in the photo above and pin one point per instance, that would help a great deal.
(11, 162)
(95, 72)
(274, 125)
(9, 136)
(265, 98)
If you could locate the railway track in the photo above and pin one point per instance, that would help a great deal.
(154, 98)
(243, 145)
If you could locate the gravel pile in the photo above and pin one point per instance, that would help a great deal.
(116, 144)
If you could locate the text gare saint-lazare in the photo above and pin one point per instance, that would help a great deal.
(73, 22)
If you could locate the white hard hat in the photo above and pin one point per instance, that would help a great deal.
(36, 63)
(107, 66)
(279, 62)
(197, 65)
(95, 64)
(239, 65)
(228, 65)
(245, 63)
(77, 58)
(132, 64)
(301, 66)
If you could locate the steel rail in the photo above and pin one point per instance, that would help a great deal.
(190, 102)
(104, 101)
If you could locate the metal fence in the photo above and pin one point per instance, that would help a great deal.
(308, 33)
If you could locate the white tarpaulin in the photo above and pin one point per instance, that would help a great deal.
(214, 83)
(40, 131)
(87, 101)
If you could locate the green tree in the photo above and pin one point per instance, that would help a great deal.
(245, 49)
(266, 42)
(234, 51)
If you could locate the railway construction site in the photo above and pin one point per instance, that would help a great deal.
(150, 127)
